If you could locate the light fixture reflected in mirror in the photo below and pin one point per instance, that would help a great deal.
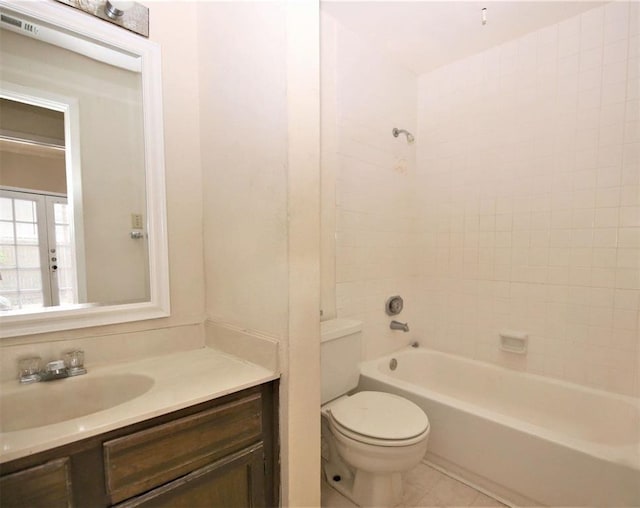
(116, 9)
(127, 14)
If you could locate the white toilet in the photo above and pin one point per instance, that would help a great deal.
(368, 438)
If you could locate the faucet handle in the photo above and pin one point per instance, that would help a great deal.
(29, 369)
(74, 360)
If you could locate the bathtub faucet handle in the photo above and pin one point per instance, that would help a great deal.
(397, 325)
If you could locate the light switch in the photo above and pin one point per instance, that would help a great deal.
(136, 221)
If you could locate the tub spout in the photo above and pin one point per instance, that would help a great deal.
(397, 325)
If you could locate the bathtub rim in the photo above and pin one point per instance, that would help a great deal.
(625, 455)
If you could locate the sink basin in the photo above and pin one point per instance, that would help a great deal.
(51, 402)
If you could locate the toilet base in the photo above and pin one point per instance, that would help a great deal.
(365, 489)
(378, 490)
(340, 478)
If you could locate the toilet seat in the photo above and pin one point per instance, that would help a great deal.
(355, 436)
(379, 418)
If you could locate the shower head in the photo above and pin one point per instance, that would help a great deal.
(396, 132)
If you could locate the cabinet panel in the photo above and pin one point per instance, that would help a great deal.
(46, 486)
(144, 460)
(237, 481)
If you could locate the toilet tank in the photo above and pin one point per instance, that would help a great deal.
(339, 356)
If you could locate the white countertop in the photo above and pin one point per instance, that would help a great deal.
(180, 380)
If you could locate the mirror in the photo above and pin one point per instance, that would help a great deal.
(82, 209)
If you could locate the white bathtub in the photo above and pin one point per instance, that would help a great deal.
(526, 438)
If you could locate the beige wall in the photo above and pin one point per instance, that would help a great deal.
(300, 395)
(27, 119)
(43, 172)
(243, 122)
(27, 166)
(259, 127)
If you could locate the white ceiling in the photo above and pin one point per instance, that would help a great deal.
(423, 35)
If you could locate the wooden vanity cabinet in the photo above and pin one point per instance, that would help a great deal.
(220, 453)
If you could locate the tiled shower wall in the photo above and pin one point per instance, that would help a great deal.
(520, 210)
(528, 201)
(364, 97)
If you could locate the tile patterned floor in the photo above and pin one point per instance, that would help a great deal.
(423, 486)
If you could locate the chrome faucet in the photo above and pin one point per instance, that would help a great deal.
(31, 371)
(397, 325)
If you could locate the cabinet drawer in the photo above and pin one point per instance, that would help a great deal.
(147, 459)
(46, 486)
(235, 481)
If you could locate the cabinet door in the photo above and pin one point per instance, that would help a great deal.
(46, 486)
(238, 480)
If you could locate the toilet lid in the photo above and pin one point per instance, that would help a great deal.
(380, 415)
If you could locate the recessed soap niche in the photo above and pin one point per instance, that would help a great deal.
(514, 342)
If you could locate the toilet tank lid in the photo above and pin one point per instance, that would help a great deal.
(336, 328)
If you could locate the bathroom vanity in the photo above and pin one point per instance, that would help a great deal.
(218, 453)
(220, 448)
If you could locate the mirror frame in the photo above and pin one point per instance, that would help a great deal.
(79, 24)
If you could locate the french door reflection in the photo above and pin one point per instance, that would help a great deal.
(37, 267)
